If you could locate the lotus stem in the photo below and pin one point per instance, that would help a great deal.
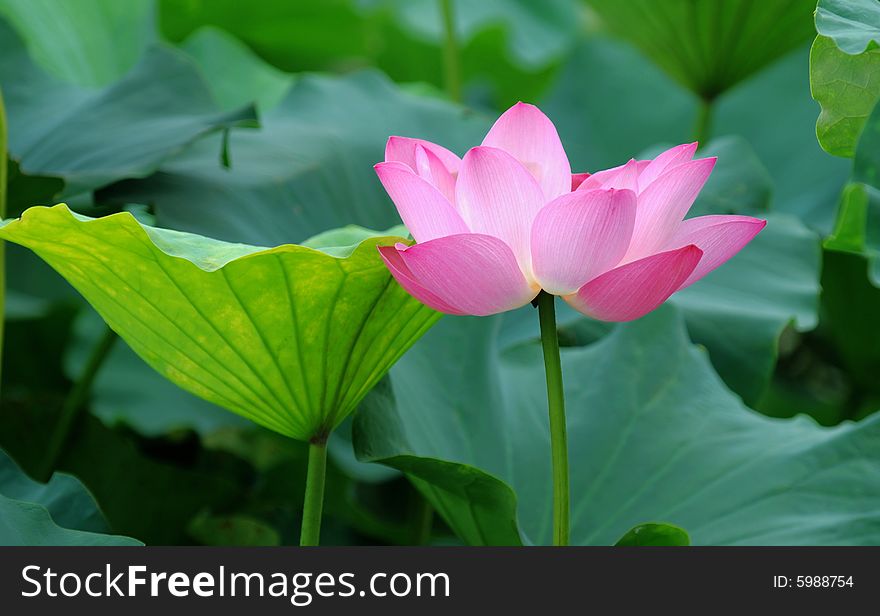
(556, 407)
(451, 56)
(3, 171)
(703, 127)
(423, 521)
(314, 498)
(76, 401)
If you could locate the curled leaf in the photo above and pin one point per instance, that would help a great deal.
(291, 337)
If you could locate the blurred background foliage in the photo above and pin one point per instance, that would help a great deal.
(259, 122)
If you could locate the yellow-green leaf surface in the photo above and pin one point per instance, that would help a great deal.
(291, 337)
(845, 71)
(847, 87)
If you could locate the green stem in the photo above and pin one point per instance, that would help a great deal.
(3, 170)
(75, 402)
(703, 127)
(314, 501)
(423, 521)
(451, 57)
(556, 406)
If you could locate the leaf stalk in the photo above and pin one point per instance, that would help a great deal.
(313, 504)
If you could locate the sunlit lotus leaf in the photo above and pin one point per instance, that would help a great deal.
(290, 337)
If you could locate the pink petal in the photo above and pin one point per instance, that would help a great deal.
(628, 176)
(614, 177)
(529, 136)
(403, 149)
(497, 196)
(431, 169)
(577, 179)
(424, 210)
(580, 235)
(461, 274)
(635, 289)
(395, 264)
(719, 237)
(668, 160)
(664, 203)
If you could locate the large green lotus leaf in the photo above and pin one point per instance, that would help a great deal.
(89, 42)
(846, 87)
(64, 497)
(292, 35)
(508, 48)
(653, 435)
(23, 523)
(845, 71)
(318, 146)
(710, 45)
(740, 310)
(126, 391)
(538, 33)
(90, 137)
(60, 512)
(853, 24)
(289, 337)
(234, 73)
(857, 228)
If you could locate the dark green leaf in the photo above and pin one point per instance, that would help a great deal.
(654, 534)
(308, 168)
(89, 42)
(60, 512)
(739, 184)
(536, 33)
(739, 311)
(853, 24)
(508, 48)
(235, 75)
(64, 497)
(653, 434)
(850, 306)
(91, 137)
(710, 45)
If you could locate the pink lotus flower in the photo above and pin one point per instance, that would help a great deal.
(509, 219)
